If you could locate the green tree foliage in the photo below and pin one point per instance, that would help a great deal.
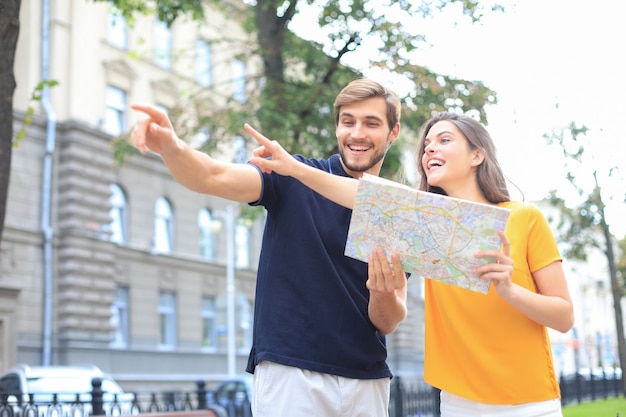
(586, 226)
(300, 79)
(35, 96)
(166, 10)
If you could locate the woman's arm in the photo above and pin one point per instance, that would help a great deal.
(271, 157)
(550, 306)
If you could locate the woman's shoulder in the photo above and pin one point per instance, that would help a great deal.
(524, 211)
(521, 207)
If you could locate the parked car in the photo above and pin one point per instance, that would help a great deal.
(235, 392)
(600, 373)
(69, 383)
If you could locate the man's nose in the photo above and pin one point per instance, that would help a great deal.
(359, 130)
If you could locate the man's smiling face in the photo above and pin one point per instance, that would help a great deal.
(363, 136)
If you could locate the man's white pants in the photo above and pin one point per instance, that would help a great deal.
(286, 391)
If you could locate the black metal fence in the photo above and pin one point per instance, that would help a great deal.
(408, 399)
(13, 404)
(413, 399)
(420, 400)
(578, 388)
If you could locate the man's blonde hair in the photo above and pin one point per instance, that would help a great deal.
(363, 89)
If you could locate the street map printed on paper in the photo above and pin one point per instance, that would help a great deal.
(435, 236)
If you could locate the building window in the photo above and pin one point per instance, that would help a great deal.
(163, 226)
(244, 322)
(209, 324)
(115, 119)
(117, 213)
(120, 318)
(162, 45)
(203, 63)
(207, 237)
(117, 30)
(240, 150)
(242, 244)
(239, 80)
(167, 319)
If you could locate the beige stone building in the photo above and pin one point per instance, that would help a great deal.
(119, 265)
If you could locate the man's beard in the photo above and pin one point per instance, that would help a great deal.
(365, 165)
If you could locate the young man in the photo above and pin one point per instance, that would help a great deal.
(318, 342)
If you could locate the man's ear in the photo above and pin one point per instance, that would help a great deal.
(393, 135)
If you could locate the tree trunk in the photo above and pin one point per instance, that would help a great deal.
(271, 38)
(616, 290)
(9, 31)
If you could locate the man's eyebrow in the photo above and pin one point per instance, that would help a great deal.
(371, 117)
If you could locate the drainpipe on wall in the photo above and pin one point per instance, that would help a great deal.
(46, 192)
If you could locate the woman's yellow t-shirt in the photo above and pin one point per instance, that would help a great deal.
(480, 347)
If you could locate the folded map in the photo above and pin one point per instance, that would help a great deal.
(435, 236)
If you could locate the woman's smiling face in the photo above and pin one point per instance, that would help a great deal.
(448, 160)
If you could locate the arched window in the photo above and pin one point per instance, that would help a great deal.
(117, 213)
(163, 226)
(207, 237)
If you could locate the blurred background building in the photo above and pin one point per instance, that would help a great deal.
(118, 265)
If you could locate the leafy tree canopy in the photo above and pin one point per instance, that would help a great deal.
(582, 225)
(301, 78)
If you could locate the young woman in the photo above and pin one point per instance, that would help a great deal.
(488, 353)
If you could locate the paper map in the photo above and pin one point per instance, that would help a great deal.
(435, 236)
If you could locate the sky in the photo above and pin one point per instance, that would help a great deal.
(551, 63)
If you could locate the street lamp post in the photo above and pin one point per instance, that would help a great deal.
(229, 216)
